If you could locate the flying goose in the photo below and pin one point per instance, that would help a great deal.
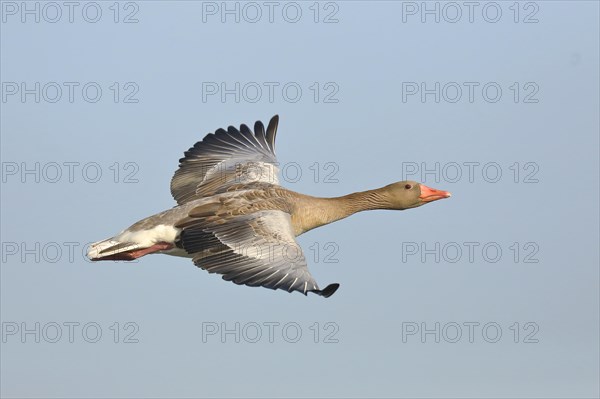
(233, 218)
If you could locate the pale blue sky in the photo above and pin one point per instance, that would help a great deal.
(369, 137)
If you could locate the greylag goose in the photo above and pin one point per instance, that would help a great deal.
(233, 218)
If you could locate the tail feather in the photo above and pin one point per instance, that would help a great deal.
(111, 249)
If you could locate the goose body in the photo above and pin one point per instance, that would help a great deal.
(233, 217)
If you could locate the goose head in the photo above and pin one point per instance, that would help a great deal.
(411, 194)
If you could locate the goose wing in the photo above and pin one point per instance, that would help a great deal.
(256, 249)
(226, 158)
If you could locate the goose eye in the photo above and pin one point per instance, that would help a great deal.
(408, 187)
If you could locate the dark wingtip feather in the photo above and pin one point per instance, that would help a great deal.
(328, 291)
(272, 131)
(245, 129)
(259, 128)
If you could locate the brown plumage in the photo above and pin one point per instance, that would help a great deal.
(233, 218)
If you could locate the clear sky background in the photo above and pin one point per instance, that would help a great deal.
(366, 127)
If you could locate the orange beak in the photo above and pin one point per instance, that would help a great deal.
(429, 194)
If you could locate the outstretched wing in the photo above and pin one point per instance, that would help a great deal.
(225, 158)
(257, 249)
